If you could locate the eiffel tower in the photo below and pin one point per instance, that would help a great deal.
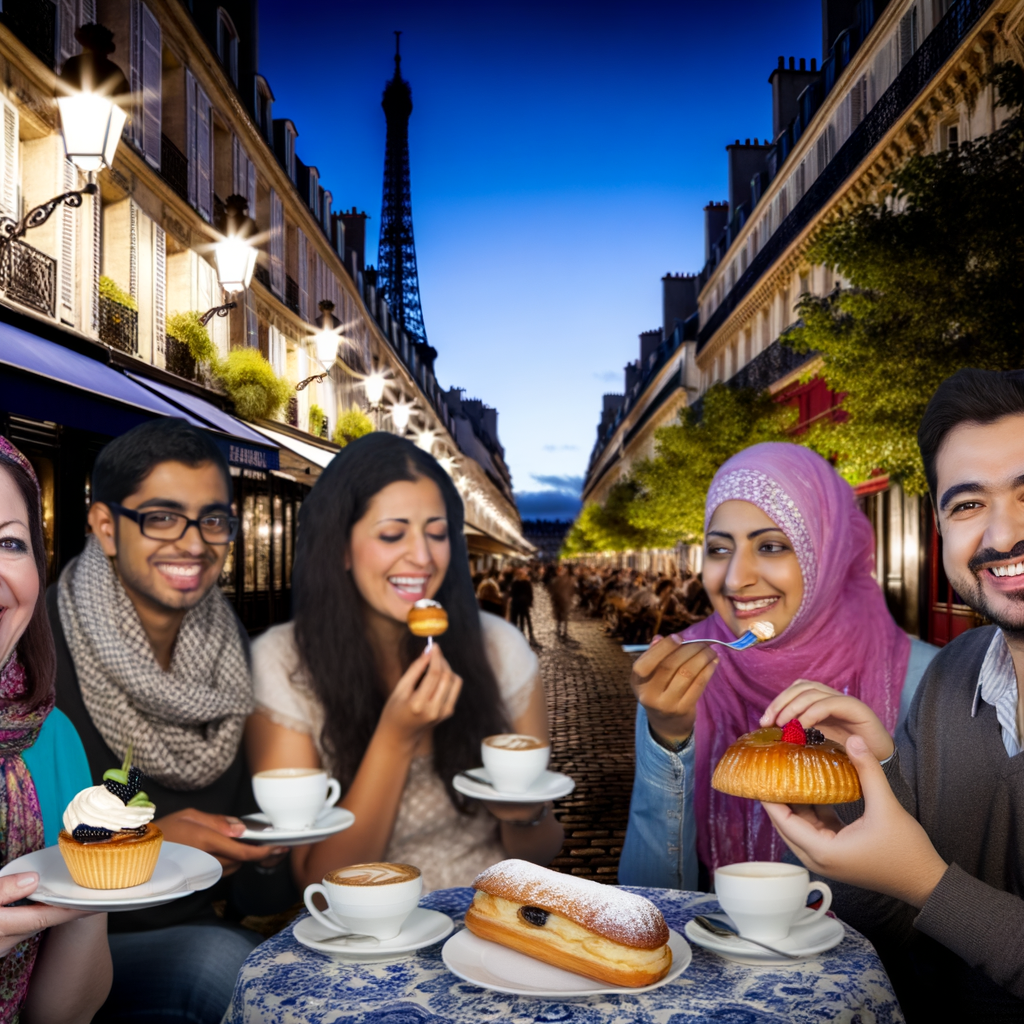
(397, 279)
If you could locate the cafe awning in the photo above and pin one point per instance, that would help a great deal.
(310, 452)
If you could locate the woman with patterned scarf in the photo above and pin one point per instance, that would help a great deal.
(54, 962)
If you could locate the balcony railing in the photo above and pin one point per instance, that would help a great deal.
(262, 274)
(34, 23)
(119, 326)
(174, 167)
(179, 359)
(29, 276)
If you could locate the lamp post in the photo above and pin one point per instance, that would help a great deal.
(91, 88)
(326, 342)
(401, 412)
(234, 254)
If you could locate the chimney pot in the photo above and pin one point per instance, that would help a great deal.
(814, 63)
(803, 64)
(782, 62)
(792, 64)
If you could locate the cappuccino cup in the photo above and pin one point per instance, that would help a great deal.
(765, 899)
(293, 798)
(514, 762)
(367, 899)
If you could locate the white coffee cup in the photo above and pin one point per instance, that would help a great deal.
(765, 899)
(367, 899)
(514, 762)
(293, 798)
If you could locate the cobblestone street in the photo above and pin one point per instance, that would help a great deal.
(592, 713)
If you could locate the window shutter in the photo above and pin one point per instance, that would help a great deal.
(67, 248)
(133, 258)
(908, 36)
(9, 181)
(276, 244)
(250, 185)
(190, 138)
(303, 278)
(133, 129)
(88, 12)
(160, 293)
(67, 45)
(97, 253)
(204, 154)
(151, 65)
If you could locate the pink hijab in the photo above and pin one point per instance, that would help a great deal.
(842, 634)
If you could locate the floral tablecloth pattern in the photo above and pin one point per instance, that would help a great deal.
(282, 982)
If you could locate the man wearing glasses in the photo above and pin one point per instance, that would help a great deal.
(150, 653)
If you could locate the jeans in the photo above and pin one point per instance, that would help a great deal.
(185, 973)
(521, 618)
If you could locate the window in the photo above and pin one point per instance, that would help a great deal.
(303, 275)
(262, 107)
(199, 134)
(314, 192)
(227, 44)
(908, 37)
(9, 200)
(145, 74)
(952, 137)
(858, 101)
(277, 274)
(244, 178)
(325, 210)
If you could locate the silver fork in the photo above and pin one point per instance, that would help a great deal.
(747, 640)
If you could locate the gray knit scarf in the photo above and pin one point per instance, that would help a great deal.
(185, 724)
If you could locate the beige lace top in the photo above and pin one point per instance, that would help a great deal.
(448, 847)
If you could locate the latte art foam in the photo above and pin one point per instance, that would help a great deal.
(514, 741)
(372, 874)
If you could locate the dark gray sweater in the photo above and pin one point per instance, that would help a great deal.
(961, 957)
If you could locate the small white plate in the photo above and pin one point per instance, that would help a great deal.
(180, 871)
(259, 830)
(804, 940)
(550, 786)
(500, 969)
(422, 928)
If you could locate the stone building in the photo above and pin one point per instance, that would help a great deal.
(897, 77)
(85, 352)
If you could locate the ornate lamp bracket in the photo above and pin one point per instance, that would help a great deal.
(11, 229)
(217, 311)
(303, 384)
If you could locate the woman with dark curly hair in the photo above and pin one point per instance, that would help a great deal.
(346, 686)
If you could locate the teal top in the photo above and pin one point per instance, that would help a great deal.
(59, 769)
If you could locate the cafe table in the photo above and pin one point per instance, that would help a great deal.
(285, 983)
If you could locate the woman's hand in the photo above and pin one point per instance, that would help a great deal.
(424, 697)
(217, 834)
(839, 717)
(20, 923)
(668, 679)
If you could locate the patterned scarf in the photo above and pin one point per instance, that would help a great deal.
(185, 724)
(21, 820)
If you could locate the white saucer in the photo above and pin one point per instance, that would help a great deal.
(180, 871)
(550, 786)
(501, 969)
(803, 940)
(259, 830)
(422, 928)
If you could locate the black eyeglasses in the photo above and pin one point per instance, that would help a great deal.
(214, 527)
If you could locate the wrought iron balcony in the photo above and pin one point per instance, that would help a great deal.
(119, 326)
(34, 23)
(262, 274)
(179, 359)
(29, 276)
(174, 167)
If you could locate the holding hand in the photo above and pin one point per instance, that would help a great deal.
(668, 679)
(424, 697)
(885, 850)
(839, 717)
(216, 834)
(20, 923)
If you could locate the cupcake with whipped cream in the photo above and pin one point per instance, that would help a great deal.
(109, 840)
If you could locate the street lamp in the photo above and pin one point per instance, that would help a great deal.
(234, 254)
(400, 414)
(325, 341)
(374, 385)
(425, 440)
(91, 88)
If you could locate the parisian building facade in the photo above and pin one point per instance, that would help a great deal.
(85, 350)
(897, 77)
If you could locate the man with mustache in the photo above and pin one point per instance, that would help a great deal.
(150, 654)
(935, 864)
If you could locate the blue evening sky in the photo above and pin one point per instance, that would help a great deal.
(561, 156)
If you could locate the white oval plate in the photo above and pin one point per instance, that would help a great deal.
(259, 830)
(804, 940)
(180, 871)
(500, 969)
(550, 786)
(422, 928)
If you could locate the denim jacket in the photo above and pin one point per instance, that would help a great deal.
(661, 839)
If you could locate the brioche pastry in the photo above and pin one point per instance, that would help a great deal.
(427, 618)
(790, 765)
(598, 931)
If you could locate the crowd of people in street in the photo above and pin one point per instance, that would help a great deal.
(135, 646)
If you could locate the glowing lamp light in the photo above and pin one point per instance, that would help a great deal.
(425, 441)
(235, 255)
(327, 337)
(447, 464)
(374, 385)
(400, 413)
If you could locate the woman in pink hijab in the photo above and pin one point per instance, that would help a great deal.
(784, 543)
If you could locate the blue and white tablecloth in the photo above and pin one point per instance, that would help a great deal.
(282, 982)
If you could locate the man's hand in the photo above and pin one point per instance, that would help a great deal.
(668, 679)
(837, 716)
(20, 923)
(885, 850)
(217, 834)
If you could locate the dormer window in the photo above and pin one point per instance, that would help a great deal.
(314, 192)
(263, 107)
(227, 44)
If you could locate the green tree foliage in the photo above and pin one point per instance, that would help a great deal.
(111, 290)
(316, 420)
(189, 330)
(352, 424)
(607, 527)
(258, 393)
(933, 281)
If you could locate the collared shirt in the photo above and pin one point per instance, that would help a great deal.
(997, 685)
